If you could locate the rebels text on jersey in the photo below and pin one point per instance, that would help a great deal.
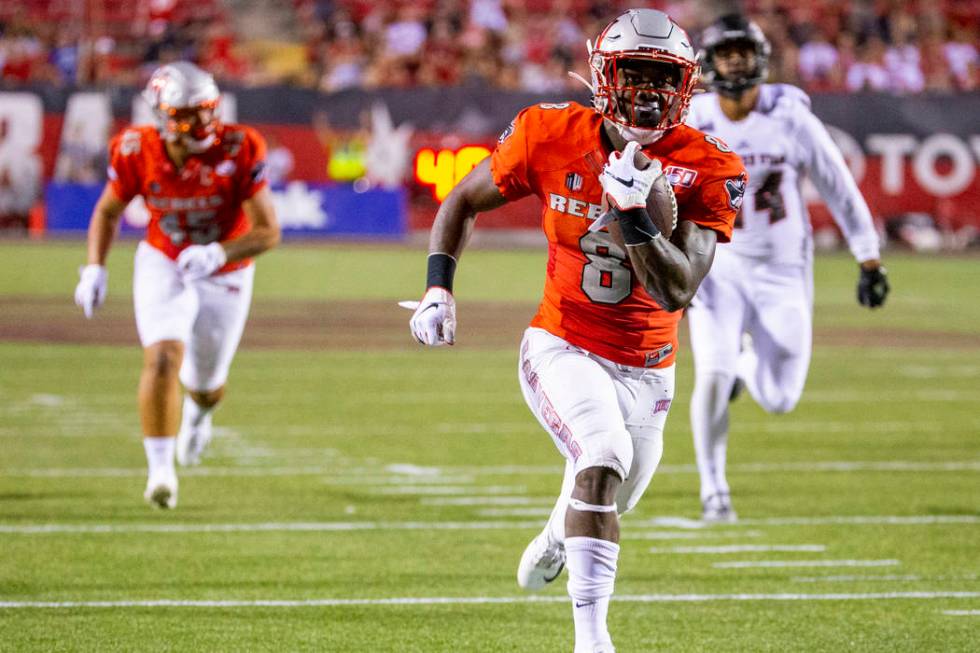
(592, 298)
(199, 203)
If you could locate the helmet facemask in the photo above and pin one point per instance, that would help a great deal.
(196, 127)
(643, 90)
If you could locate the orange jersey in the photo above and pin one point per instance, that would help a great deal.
(200, 203)
(592, 298)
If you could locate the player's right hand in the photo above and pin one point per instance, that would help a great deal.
(434, 320)
(624, 183)
(91, 289)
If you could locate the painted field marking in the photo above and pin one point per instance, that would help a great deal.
(342, 475)
(741, 548)
(688, 535)
(854, 578)
(883, 577)
(268, 527)
(514, 512)
(962, 613)
(451, 489)
(485, 600)
(747, 564)
(892, 520)
(486, 501)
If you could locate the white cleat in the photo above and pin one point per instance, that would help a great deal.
(541, 563)
(604, 647)
(192, 441)
(161, 490)
(717, 509)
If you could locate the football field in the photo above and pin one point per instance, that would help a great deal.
(364, 494)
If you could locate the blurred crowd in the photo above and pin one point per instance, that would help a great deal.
(897, 46)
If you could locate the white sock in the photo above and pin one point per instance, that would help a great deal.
(194, 414)
(160, 452)
(709, 427)
(591, 565)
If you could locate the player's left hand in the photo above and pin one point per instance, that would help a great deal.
(434, 320)
(872, 288)
(199, 261)
(624, 183)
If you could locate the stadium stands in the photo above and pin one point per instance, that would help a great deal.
(892, 46)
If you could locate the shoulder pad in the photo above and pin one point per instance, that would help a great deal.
(783, 101)
(130, 142)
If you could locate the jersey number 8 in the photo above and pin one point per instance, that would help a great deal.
(605, 278)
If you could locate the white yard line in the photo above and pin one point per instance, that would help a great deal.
(489, 600)
(687, 535)
(268, 527)
(741, 548)
(748, 564)
(342, 475)
(892, 520)
(962, 613)
(544, 511)
(486, 501)
(450, 489)
(690, 525)
(855, 578)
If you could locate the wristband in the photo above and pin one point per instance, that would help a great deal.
(636, 225)
(442, 268)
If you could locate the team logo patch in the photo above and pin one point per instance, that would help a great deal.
(506, 133)
(678, 176)
(573, 181)
(662, 406)
(736, 191)
(225, 169)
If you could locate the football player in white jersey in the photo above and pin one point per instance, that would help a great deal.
(751, 319)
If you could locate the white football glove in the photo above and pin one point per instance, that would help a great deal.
(434, 320)
(93, 284)
(624, 184)
(199, 261)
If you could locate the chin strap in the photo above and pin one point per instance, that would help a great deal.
(574, 75)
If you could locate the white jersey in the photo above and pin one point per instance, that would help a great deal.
(780, 142)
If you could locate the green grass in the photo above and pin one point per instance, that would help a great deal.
(326, 437)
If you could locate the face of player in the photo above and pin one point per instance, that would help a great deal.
(192, 124)
(643, 90)
(735, 59)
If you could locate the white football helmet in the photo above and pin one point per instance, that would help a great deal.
(184, 100)
(644, 71)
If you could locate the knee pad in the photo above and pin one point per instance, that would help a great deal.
(612, 449)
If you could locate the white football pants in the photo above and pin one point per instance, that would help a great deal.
(773, 305)
(598, 413)
(208, 315)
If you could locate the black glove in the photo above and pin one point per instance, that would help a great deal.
(872, 287)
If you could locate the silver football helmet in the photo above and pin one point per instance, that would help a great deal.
(644, 71)
(184, 99)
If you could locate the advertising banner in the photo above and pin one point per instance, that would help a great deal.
(304, 210)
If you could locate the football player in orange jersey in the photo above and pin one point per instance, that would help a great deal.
(597, 363)
(210, 212)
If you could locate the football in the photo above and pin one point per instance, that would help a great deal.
(661, 203)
